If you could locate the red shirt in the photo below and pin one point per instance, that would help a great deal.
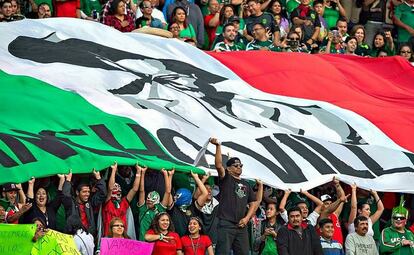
(337, 234)
(211, 31)
(196, 246)
(164, 248)
(109, 211)
(66, 8)
(116, 23)
(84, 217)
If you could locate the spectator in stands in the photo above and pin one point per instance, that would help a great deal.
(342, 27)
(329, 245)
(44, 11)
(404, 19)
(174, 28)
(235, 195)
(227, 14)
(166, 241)
(115, 205)
(363, 48)
(91, 9)
(396, 239)
(2, 214)
(194, 16)
(335, 44)
(196, 242)
(373, 17)
(229, 37)
(117, 229)
(84, 241)
(291, 5)
(363, 209)
(118, 19)
(184, 207)
(351, 45)
(40, 229)
(15, 202)
(179, 16)
(306, 17)
(333, 12)
(7, 12)
(406, 52)
(280, 14)
(41, 206)
(83, 205)
(212, 21)
(131, 9)
(319, 8)
(266, 19)
(262, 40)
(266, 243)
(68, 8)
(147, 18)
(311, 218)
(156, 13)
(298, 237)
(383, 42)
(240, 40)
(360, 242)
(148, 208)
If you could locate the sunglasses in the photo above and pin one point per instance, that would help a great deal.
(237, 165)
(405, 51)
(117, 226)
(398, 218)
(148, 7)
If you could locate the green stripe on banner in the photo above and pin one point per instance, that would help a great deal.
(45, 130)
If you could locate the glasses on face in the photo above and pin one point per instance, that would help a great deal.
(148, 7)
(237, 165)
(398, 218)
(405, 51)
(294, 39)
(118, 226)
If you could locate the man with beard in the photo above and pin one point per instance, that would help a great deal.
(261, 41)
(359, 243)
(396, 239)
(228, 44)
(14, 202)
(235, 195)
(116, 205)
(44, 11)
(298, 237)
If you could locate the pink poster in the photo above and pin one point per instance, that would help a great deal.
(119, 246)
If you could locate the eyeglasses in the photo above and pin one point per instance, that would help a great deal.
(398, 218)
(237, 165)
(117, 226)
(294, 39)
(405, 51)
(148, 7)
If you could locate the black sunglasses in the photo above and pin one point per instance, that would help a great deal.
(398, 218)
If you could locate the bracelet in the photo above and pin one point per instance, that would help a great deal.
(161, 237)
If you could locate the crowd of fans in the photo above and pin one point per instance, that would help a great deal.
(188, 214)
(374, 28)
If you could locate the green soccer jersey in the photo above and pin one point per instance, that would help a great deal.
(146, 216)
(391, 242)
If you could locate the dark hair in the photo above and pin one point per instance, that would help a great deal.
(293, 33)
(156, 227)
(349, 38)
(260, 24)
(318, 2)
(141, 5)
(359, 219)
(341, 19)
(169, 25)
(73, 224)
(325, 221)
(256, 1)
(42, 4)
(174, 12)
(5, 1)
(224, 29)
(355, 28)
(39, 219)
(81, 185)
(114, 6)
(283, 12)
(301, 28)
(223, 19)
(294, 209)
(200, 222)
(406, 45)
(360, 205)
(381, 33)
(47, 195)
(232, 160)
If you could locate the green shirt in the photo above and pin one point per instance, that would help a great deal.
(405, 14)
(391, 242)
(257, 45)
(145, 218)
(222, 46)
(331, 16)
(87, 6)
(291, 5)
(188, 32)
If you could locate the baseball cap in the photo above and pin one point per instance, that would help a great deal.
(10, 187)
(326, 197)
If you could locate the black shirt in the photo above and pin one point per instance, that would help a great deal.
(235, 194)
(266, 19)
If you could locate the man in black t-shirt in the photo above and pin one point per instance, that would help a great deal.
(235, 196)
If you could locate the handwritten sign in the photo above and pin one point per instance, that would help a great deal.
(55, 243)
(119, 246)
(16, 238)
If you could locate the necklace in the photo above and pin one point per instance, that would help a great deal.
(195, 247)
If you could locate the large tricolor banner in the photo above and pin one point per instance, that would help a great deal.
(78, 95)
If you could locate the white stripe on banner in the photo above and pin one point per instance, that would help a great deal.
(183, 96)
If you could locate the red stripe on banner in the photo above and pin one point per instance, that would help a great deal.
(379, 89)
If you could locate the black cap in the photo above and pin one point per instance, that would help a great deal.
(234, 18)
(10, 187)
(231, 161)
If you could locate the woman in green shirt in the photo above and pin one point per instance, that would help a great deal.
(363, 48)
(383, 42)
(179, 16)
(333, 10)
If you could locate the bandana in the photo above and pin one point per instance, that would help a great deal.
(116, 195)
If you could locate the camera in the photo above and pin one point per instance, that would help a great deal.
(293, 43)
